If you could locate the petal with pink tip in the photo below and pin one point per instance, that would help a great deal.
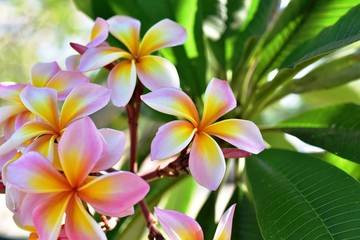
(99, 32)
(114, 145)
(80, 149)
(171, 138)
(157, 72)
(106, 199)
(122, 81)
(26, 132)
(48, 216)
(65, 81)
(174, 102)
(42, 102)
(8, 111)
(206, 162)
(219, 99)
(165, 33)
(223, 230)
(95, 58)
(11, 91)
(240, 133)
(126, 30)
(178, 226)
(33, 173)
(82, 101)
(72, 62)
(79, 224)
(6, 157)
(41, 73)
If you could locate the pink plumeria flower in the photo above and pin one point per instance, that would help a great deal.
(83, 100)
(51, 193)
(99, 34)
(50, 75)
(179, 226)
(153, 71)
(206, 160)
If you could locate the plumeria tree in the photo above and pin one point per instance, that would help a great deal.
(167, 124)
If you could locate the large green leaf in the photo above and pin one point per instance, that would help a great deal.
(245, 226)
(299, 21)
(335, 128)
(298, 196)
(345, 31)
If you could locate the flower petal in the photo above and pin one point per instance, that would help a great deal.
(171, 138)
(99, 32)
(72, 62)
(42, 102)
(8, 111)
(106, 199)
(240, 133)
(6, 157)
(80, 149)
(219, 99)
(122, 81)
(11, 91)
(223, 230)
(114, 142)
(157, 72)
(26, 132)
(206, 161)
(178, 226)
(95, 58)
(41, 73)
(65, 81)
(46, 146)
(49, 215)
(165, 33)
(174, 102)
(33, 173)
(79, 224)
(126, 30)
(82, 101)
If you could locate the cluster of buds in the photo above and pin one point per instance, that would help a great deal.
(57, 167)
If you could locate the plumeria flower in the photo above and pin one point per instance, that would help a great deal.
(50, 193)
(179, 226)
(206, 160)
(50, 75)
(82, 101)
(99, 34)
(153, 71)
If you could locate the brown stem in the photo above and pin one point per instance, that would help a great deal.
(173, 169)
(150, 222)
(181, 163)
(133, 111)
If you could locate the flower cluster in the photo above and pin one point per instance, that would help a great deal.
(58, 168)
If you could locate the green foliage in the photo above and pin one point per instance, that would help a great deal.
(335, 128)
(301, 197)
(290, 195)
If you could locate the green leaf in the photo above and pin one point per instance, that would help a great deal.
(206, 216)
(255, 28)
(335, 129)
(299, 21)
(298, 196)
(330, 74)
(245, 226)
(345, 31)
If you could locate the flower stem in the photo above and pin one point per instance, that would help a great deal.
(133, 111)
(150, 222)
